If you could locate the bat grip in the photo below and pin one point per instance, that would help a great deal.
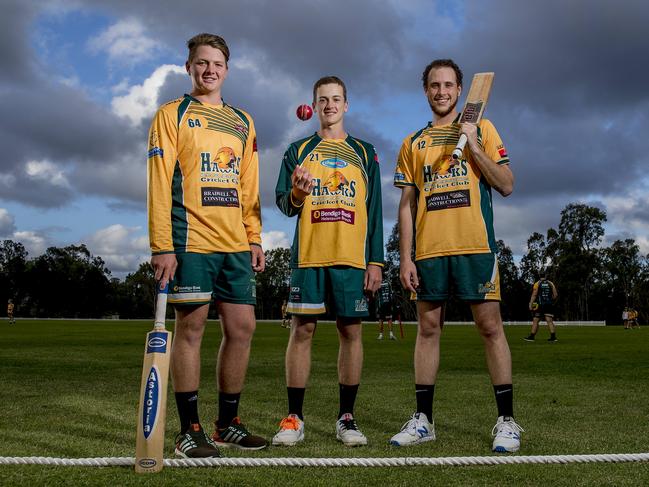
(457, 152)
(161, 306)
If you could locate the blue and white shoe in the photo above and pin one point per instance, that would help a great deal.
(415, 431)
(507, 435)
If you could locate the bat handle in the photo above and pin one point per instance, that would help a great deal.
(457, 153)
(161, 306)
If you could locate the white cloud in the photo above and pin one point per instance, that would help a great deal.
(7, 180)
(125, 42)
(274, 239)
(47, 171)
(34, 242)
(141, 101)
(7, 223)
(122, 248)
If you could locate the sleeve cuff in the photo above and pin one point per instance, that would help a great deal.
(295, 205)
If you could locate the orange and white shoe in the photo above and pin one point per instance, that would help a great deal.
(291, 431)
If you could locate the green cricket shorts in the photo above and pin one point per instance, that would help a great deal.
(339, 287)
(220, 276)
(472, 277)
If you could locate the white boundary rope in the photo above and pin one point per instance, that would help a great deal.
(333, 462)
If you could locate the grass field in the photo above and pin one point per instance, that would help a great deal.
(70, 389)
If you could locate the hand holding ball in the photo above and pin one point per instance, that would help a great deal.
(304, 112)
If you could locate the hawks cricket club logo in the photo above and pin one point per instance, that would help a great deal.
(151, 408)
(335, 184)
(337, 181)
(225, 161)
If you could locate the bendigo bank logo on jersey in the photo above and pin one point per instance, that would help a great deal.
(330, 215)
(335, 184)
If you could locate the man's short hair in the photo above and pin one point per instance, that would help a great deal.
(442, 63)
(329, 80)
(205, 39)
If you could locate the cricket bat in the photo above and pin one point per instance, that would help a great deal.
(476, 101)
(152, 414)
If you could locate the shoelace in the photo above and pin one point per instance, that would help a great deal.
(349, 424)
(411, 425)
(289, 423)
(510, 426)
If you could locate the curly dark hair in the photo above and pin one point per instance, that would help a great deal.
(442, 63)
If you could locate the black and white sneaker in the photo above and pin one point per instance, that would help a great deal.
(237, 436)
(194, 443)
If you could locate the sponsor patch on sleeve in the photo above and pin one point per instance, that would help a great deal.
(502, 151)
(155, 151)
(228, 197)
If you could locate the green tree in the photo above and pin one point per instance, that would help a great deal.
(135, 296)
(534, 260)
(513, 291)
(391, 274)
(273, 283)
(576, 259)
(68, 282)
(13, 263)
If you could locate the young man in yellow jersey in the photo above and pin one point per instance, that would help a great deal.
(205, 236)
(10, 312)
(331, 182)
(455, 248)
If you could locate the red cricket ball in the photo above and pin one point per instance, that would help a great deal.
(304, 112)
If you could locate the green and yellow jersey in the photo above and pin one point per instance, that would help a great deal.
(203, 179)
(454, 209)
(341, 221)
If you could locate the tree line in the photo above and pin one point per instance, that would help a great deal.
(594, 282)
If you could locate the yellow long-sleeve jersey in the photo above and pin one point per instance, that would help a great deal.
(203, 179)
(340, 222)
(454, 210)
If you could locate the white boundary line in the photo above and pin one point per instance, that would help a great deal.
(335, 462)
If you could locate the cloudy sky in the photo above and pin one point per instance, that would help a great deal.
(80, 82)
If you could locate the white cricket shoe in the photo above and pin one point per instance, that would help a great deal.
(507, 435)
(291, 431)
(380, 337)
(347, 431)
(392, 337)
(415, 431)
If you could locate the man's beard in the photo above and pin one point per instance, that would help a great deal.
(442, 114)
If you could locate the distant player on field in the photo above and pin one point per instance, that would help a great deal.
(286, 316)
(330, 181)
(384, 309)
(633, 318)
(205, 236)
(10, 312)
(625, 318)
(544, 295)
(455, 246)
